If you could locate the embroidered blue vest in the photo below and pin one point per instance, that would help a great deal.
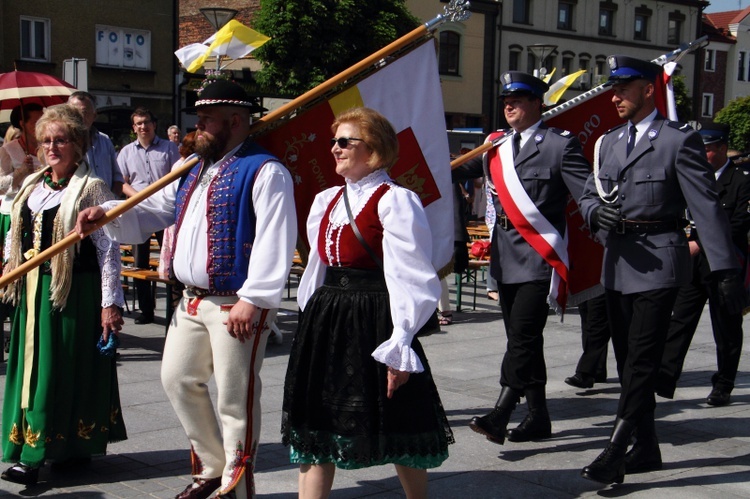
(230, 214)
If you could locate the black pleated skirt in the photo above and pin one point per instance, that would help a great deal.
(335, 406)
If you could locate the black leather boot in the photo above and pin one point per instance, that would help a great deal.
(536, 425)
(493, 425)
(645, 455)
(609, 466)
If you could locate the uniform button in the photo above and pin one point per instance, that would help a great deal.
(622, 196)
(648, 176)
(536, 174)
(624, 179)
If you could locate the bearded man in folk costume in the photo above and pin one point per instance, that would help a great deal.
(235, 234)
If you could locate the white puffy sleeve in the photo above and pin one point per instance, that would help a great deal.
(151, 215)
(275, 237)
(312, 277)
(413, 284)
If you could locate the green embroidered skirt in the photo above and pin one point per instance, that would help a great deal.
(73, 407)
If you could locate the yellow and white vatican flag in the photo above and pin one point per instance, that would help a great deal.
(557, 89)
(233, 41)
(549, 76)
(407, 92)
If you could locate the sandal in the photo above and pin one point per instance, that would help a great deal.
(445, 318)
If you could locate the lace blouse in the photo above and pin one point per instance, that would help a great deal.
(412, 282)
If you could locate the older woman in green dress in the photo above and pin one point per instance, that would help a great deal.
(61, 397)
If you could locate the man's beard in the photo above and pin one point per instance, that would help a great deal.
(208, 147)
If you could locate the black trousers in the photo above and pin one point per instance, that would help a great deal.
(639, 324)
(525, 310)
(727, 329)
(594, 337)
(141, 257)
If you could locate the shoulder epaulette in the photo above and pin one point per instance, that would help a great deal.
(683, 127)
(560, 131)
(615, 128)
(498, 134)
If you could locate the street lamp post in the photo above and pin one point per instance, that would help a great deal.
(218, 17)
(541, 51)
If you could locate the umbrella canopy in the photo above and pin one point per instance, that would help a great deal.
(18, 87)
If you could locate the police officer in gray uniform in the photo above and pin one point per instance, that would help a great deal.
(549, 164)
(646, 172)
(733, 186)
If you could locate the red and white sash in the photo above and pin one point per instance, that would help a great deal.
(529, 222)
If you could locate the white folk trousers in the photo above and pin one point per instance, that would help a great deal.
(197, 347)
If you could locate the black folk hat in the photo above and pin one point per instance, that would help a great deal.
(518, 82)
(623, 69)
(227, 93)
(712, 133)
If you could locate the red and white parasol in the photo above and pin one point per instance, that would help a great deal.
(24, 87)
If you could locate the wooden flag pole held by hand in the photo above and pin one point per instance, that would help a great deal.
(115, 212)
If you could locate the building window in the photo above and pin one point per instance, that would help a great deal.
(514, 58)
(707, 108)
(35, 34)
(742, 62)
(673, 31)
(585, 81)
(709, 64)
(522, 11)
(606, 20)
(567, 63)
(641, 25)
(674, 27)
(601, 71)
(565, 13)
(450, 44)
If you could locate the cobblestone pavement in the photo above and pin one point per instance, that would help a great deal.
(706, 450)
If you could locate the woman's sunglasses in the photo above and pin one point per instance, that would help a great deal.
(343, 142)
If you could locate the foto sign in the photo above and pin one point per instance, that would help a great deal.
(123, 47)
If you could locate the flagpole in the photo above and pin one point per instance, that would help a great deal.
(115, 212)
(674, 55)
(456, 10)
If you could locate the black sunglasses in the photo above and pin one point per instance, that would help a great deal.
(343, 142)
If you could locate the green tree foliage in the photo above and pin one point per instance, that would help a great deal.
(737, 115)
(312, 40)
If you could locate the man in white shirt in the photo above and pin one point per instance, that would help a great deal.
(236, 232)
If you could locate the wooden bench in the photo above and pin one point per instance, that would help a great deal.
(129, 261)
(153, 277)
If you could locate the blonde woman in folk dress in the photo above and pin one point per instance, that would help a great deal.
(358, 389)
(61, 402)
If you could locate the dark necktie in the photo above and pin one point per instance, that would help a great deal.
(516, 144)
(631, 139)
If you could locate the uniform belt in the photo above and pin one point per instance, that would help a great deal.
(504, 222)
(650, 226)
